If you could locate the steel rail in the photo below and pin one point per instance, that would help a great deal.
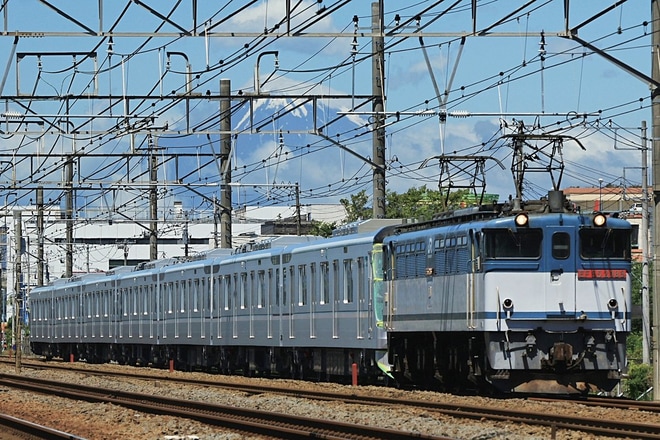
(272, 424)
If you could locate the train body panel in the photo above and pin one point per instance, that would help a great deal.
(277, 302)
(533, 301)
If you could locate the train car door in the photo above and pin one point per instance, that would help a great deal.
(474, 268)
(559, 270)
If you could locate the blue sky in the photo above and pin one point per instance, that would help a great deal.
(500, 77)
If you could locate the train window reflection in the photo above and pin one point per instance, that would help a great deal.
(604, 243)
(507, 243)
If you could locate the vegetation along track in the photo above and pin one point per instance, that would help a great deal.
(254, 421)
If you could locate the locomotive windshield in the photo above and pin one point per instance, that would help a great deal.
(605, 243)
(507, 243)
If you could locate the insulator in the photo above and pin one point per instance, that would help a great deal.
(426, 113)
(12, 115)
(460, 114)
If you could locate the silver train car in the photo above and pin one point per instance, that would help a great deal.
(531, 300)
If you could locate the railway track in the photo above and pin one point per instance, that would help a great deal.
(609, 402)
(13, 427)
(597, 426)
(265, 423)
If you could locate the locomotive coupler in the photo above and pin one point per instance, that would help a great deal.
(561, 354)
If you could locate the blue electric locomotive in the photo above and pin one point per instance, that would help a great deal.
(535, 301)
(520, 299)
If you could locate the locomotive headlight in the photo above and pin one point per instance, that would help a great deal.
(613, 305)
(522, 220)
(599, 220)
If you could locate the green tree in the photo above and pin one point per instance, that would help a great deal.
(418, 203)
(421, 203)
(322, 229)
(356, 208)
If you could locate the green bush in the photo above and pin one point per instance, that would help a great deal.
(639, 380)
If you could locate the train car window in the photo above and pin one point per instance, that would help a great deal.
(325, 283)
(312, 281)
(195, 295)
(142, 296)
(105, 294)
(348, 281)
(205, 294)
(150, 295)
(302, 285)
(277, 287)
(261, 287)
(214, 284)
(178, 289)
(87, 306)
(597, 243)
(561, 245)
(506, 243)
(287, 282)
(226, 288)
(271, 289)
(252, 291)
(97, 303)
(235, 291)
(170, 299)
(286, 258)
(243, 290)
(335, 281)
(361, 279)
(275, 260)
(124, 296)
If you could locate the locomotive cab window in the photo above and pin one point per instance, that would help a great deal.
(507, 243)
(605, 243)
(561, 245)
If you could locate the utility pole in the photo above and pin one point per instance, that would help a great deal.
(646, 326)
(153, 201)
(655, 110)
(68, 217)
(298, 221)
(185, 236)
(225, 154)
(40, 236)
(18, 297)
(378, 107)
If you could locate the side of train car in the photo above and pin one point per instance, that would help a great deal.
(522, 303)
(297, 310)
